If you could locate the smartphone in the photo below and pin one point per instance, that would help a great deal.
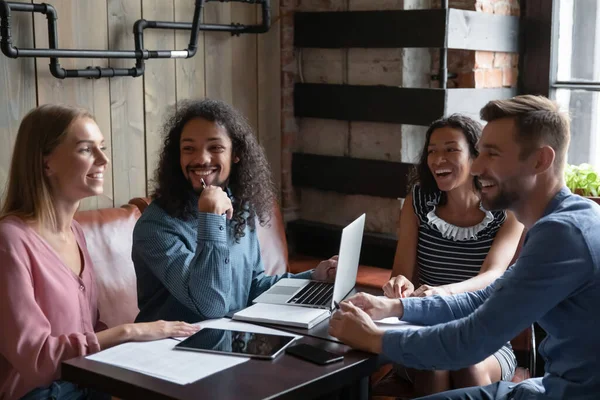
(313, 354)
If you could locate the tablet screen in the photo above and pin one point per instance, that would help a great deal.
(238, 343)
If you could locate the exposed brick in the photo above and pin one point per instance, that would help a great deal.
(321, 5)
(502, 59)
(484, 59)
(339, 209)
(461, 4)
(473, 69)
(374, 5)
(323, 136)
(493, 78)
(509, 76)
(484, 6)
(286, 157)
(288, 4)
(287, 35)
(376, 141)
(461, 61)
(375, 67)
(287, 101)
(514, 60)
(288, 79)
(479, 76)
(465, 80)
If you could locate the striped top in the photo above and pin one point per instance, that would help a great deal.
(447, 253)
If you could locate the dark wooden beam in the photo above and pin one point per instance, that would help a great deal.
(322, 240)
(407, 28)
(390, 103)
(369, 103)
(375, 29)
(535, 58)
(351, 175)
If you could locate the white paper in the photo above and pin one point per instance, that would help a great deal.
(393, 323)
(158, 359)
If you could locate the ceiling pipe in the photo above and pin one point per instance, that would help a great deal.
(139, 54)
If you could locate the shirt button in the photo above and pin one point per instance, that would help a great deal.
(227, 261)
(221, 227)
(81, 287)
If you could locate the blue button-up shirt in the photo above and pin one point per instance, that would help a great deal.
(555, 281)
(195, 270)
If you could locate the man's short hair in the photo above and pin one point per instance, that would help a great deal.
(539, 121)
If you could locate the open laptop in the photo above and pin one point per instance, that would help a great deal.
(317, 294)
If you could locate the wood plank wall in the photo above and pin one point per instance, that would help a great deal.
(243, 71)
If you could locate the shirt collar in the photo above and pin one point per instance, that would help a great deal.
(557, 199)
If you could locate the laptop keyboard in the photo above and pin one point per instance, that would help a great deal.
(315, 294)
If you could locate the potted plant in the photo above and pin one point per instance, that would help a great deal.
(583, 180)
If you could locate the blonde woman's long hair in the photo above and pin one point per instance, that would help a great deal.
(28, 194)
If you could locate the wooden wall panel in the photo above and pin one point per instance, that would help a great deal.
(244, 64)
(218, 54)
(189, 73)
(17, 80)
(269, 93)
(159, 81)
(126, 105)
(92, 94)
(243, 71)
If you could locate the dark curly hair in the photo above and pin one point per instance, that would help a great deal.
(422, 174)
(249, 181)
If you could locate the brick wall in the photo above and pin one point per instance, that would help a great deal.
(395, 67)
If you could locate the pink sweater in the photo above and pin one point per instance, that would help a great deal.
(48, 314)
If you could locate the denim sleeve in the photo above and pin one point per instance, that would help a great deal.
(433, 310)
(555, 262)
(202, 280)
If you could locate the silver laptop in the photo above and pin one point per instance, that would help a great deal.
(307, 293)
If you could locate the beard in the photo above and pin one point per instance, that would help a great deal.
(198, 190)
(505, 198)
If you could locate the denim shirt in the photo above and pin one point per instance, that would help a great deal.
(193, 270)
(555, 281)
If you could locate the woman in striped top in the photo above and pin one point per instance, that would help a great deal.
(448, 243)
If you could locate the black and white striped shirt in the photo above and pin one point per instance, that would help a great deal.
(446, 253)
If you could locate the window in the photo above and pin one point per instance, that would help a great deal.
(575, 74)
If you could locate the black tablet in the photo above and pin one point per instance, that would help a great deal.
(237, 343)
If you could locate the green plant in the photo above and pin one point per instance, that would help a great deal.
(582, 179)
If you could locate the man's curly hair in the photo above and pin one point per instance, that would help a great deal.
(250, 178)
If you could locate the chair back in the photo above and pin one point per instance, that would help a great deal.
(109, 236)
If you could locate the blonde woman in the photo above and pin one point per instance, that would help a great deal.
(48, 298)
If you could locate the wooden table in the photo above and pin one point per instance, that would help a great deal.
(282, 378)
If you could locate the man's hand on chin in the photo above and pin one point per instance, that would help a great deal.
(355, 328)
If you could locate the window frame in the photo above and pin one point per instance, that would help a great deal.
(555, 83)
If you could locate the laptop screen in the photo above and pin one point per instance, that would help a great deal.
(349, 256)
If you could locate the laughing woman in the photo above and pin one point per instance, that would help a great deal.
(449, 244)
(48, 298)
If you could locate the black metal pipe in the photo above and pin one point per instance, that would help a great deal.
(82, 53)
(193, 45)
(140, 54)
(5, 40)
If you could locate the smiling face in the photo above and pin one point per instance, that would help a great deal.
(505, 176)
(448, 158)
(206, 153)
(75, 168)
